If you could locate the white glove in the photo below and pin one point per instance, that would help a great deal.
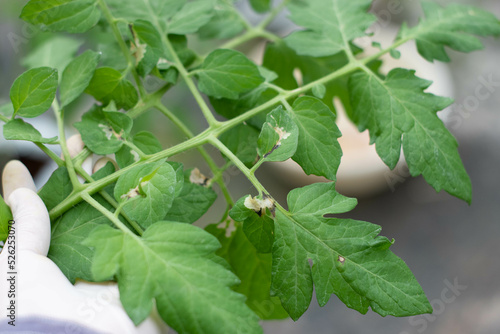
(42, 290)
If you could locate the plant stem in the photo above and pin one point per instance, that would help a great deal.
(351, 67)
(248, 36)
(248, 173)
(110, 200)
(87, 198)
(210, 135)
(50, 154)
(376, 56)
(211, 163)
(64, 147)
(148, 102)
(275, 11)
(4, 119)
(132, 146)
(126, 52)
(238, 40)
(119, 209)
(257, 165)
(237, 162)
(98, 185)
(81, 157)
(212, 122)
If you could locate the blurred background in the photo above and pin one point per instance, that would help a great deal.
(451, 247)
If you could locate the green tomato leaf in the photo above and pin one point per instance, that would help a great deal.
(191, 204)
(260, 232)
(279, 136)
(74, 16)
(253, 269)
(285, 62)
(174, 264)
(331, 25)
(145, 141)
(227, 74)
(186, 56)
(77, 75)
(103, 132)
(148, 46)
(68, 233)
(319, 91)
(108, 85)
(57, 188)
(17, 129)
(148, 34)
(225, 23)
(453, 26)
(261, 6)
(148, 191)
(318, 149)
(7, 109)
(56, 52)
(348, 258)
(33, 91)
(180, 176)
(149, 10)
(239, 212)
(267, 74)
(398, 112)
(257, 226)
(111, 54)
(5, 217)
(247, 101)
(242, 141)
(321, 199)
(191, 17)
(73, 227)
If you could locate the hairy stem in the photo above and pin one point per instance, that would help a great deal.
(87, 198)
(64, 147)
(237, 162)
(210, 162)
(211, 134)
(98, 185)
(212, 122)
(50, 154)
(110, 200)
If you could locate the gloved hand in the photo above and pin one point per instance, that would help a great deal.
(41, 289)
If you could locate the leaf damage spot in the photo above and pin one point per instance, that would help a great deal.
(109, 132)
(259, 205)
(341, 259)
(135, 155)
(282, 136)
(132, 193)
(198, 178)
(137, 49)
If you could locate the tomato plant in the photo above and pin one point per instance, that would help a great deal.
(132, 222)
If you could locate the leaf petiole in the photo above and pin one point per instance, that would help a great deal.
(132, 146)
(110, 200)
(50, 154)
(64, 147)
(87, 198)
